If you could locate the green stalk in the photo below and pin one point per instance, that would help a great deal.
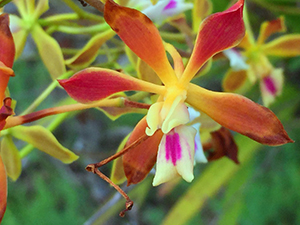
(81, 13)
(83, 30)
(247, 25)
(45, 93)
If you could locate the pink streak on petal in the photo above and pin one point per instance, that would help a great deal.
(173, 147)
(269, 82)
(171, 5)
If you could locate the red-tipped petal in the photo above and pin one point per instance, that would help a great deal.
(7, 46)
(217, 32)
(270, 27)
(141, 36)
(239, 114)
(139, 161)
(94, 84)
(3, 189)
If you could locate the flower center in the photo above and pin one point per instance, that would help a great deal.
(170, 113)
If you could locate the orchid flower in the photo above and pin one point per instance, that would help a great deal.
(171, 140)
(252, 62)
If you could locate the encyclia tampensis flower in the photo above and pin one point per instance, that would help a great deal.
(171, 140)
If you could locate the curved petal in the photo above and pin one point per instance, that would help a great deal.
(11, 158)
(44, 140)
(7, 46)
(50, 51)
(284, 46)
(239, 114)
(94, 84)
(217, 32)
(3, 189)
(176, 155)
(270, 27)
(88, 53)
(139, 161)
(141, 36)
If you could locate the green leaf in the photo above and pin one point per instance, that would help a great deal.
(11, 158)
(43, 139)
(49, 51)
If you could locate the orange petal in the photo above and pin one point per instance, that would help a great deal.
(239, 114)
(141, 36)
(94, 84)
(139, 161)
(270, 27)
(284, 46)
(3, 189)
(7, 46)
(217, 32)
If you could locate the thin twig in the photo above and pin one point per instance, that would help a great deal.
(94, 169)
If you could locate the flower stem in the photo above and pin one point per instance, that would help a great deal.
(45, 94)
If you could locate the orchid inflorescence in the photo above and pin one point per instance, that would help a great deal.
(177, 111)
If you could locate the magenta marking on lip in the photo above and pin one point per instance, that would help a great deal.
(173, 148)
(269, 82)
(171, 5)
